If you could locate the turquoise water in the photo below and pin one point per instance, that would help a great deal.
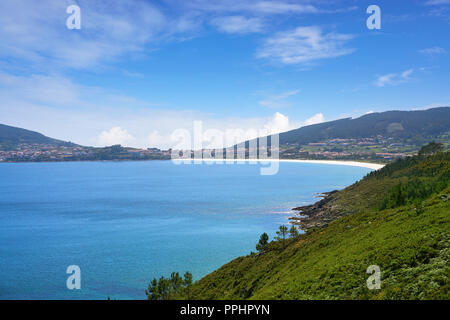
(124, 223)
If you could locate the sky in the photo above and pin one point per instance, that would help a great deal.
(138, 70)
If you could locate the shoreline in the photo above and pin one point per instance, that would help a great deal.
(315, 215)
(369, 165)
(353, 163)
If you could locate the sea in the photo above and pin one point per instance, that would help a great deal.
(124, 223)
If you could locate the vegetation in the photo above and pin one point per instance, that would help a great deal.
(263, 240)
(168, 288)
(431, 148)
(409, 240)
(293, 232)
(281, 235)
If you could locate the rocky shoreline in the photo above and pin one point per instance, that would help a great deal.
(318, 214)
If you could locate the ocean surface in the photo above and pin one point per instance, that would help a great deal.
(124, 223)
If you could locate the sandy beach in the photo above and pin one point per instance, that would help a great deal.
(374, 166)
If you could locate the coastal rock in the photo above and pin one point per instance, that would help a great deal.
(319, 214)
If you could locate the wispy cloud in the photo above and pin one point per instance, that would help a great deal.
(254, 7)
(278, 101)
(238, 24)
(436, 2)
(277, 7)
(303, 45)
(58, 108)
(35, 32)
(54, 90)
(433, 51)
(133, 74)
(393, 79)
(61, 92)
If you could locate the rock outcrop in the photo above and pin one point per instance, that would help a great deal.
(318, 214)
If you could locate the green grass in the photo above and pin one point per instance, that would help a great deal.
(410, 243)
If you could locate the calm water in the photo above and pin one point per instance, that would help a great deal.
(124, 223)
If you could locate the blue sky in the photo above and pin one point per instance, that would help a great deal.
(138, 70)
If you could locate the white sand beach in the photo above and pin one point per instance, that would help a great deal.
(374, 166)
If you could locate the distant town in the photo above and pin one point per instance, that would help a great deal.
(374, 149)
(35, 152)
(378, 148)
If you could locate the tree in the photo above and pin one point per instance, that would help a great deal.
(293, 232)
(263, 240)
(282, 232)
(431, 148)
(188, 284)
(173, 287)
(176, 282)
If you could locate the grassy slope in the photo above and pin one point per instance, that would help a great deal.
(13, 135)
(412, 248)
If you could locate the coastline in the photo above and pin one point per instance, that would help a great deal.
(354, 163)
(317, 214)
(373, 166)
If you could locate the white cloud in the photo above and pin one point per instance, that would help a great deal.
(278, 7)
(281, 123)
(433, 51)
(115, 135)
(48, 89)
(56, 107)
(61, 92)
(133, 74)
(317, 118)
(156, 139)
(254, 7)
(394, 79)
(238, 24)
(286, 94)
(35, 31)
(303, 45)
(277, 123)
(278, 101)
(103, 124)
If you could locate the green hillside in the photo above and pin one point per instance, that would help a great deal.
(376, 137)
(10, 137)
(401, 124)
(397, 218)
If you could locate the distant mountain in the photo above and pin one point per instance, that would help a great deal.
(397, 124)
(20, 145)
(391, 134)
(10, 137)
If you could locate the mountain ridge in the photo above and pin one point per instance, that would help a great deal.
(375, 137)
(12, 136)
(423, 122)
(402, 124)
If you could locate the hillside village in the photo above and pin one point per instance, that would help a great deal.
(380, 148)
(48, 152)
